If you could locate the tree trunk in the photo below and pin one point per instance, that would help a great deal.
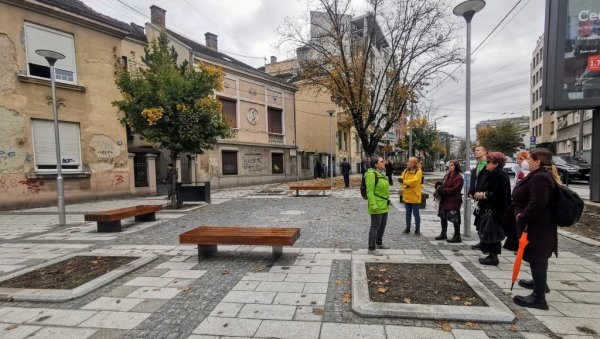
(174, 177)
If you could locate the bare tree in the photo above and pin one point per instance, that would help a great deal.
(376, 65)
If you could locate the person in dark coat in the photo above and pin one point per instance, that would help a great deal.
(389, 171)
(493, 193)
(477, 178)
(317, 170)
(533, 212)
(345, 167)
(449, 191)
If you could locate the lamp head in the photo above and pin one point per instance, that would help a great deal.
(468, 8)
(50, 56)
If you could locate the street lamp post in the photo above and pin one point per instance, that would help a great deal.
(467, 10)
(52, 57)
(435, 130)
(331, 111)
(410, 136)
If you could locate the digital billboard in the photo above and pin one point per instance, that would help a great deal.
(571, 57)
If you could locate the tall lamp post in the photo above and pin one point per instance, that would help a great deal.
(467, 10)
(331, 111)
(52, 58)
(435, 130)
(410, 136)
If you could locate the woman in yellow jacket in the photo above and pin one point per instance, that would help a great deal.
(411, 193)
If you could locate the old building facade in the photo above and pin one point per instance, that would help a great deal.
(93, 144)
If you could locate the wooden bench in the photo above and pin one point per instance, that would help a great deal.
(309, 188)
(207, 238)
(110, 221)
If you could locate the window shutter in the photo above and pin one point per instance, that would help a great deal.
(229, 162)
(275, 125)
(45, 149)
(229, 112)
(39, 37)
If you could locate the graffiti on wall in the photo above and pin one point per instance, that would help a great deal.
(33, 186)
(7, 154)
(119, 179)
(252, 162)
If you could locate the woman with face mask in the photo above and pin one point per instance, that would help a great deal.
(522, 169)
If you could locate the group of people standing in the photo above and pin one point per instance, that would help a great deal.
(499, 213)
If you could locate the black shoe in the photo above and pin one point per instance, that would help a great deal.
(417, 232)
(406, 231)
(490, 260)
(441, 237)
(528, 284)
(531, 301)
(476, 246)
(455, 239)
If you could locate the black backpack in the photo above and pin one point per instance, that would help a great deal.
(567, 206)
(363, 185)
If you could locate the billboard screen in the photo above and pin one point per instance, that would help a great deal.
(571, 55)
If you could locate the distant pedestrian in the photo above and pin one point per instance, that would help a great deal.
(378, 195)
(389, 171)
(171, 179)
(345, 166)
(411, 193)
(449, 192)
(317, 172)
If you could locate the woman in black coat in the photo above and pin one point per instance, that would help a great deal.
(493, 194)
(533, 211)
(449, 192)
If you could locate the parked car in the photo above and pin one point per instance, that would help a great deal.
(572, 171)
(510, 165)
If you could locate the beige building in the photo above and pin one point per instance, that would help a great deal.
(261, 112)
(93, 144)
(543, 124)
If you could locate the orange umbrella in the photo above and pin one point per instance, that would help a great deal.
(519, 258)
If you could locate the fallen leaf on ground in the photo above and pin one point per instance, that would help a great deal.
(11, 327)
(468, 303)
(187, 288)
(382, 290)
(513, 328)
(347, 297)
(338, 282)
(407, 300)
(371, 269)
(455, 298)
(225, 272)
(258, 269)
(471, 324)
(317, 311)
(446, 327)
(285, 268)
(382, 269)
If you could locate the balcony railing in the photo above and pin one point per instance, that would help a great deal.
(276, 139)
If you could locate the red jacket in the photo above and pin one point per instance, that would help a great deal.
(451, 192)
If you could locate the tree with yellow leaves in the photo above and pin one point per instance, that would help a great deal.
(172, 105)
(377, 65)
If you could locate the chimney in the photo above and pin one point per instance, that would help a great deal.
(273, 59)
(157, 16)
(211, 41)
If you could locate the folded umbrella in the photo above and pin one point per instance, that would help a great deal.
(519, 258)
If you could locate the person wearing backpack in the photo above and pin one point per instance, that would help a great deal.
(412, 186)
(378, 195)
(532, 201)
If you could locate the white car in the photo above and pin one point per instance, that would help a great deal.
(510, 165)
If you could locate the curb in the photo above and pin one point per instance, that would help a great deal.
(579, 238)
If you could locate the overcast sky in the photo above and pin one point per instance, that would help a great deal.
(247, 31)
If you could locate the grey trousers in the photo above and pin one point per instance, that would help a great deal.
(378, 222)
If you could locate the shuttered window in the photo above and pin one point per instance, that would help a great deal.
(40, 37)
(275, 123)
(229, 161)
(229, 111)
(45, 150)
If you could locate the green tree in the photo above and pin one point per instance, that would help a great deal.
(374, 74)
(425, 138)
(172, 105)
(505, 138)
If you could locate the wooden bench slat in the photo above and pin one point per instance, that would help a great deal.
(121, 213)
(316, 188)
(241, 236)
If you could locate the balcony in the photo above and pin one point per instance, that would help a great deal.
(275, 139)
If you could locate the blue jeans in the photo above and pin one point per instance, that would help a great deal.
(410, 210)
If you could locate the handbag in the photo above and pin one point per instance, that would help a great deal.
(490, 231)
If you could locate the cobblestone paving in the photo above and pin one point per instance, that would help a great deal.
(242, 292)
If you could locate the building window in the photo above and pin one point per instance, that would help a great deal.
(552, 127)
(304, 161)
(275, 120)
(39, 37)
(277, 163)
(45, 150)
(229, 111)
(230, 163)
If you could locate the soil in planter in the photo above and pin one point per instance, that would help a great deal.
(67, 274)
(430, 284)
